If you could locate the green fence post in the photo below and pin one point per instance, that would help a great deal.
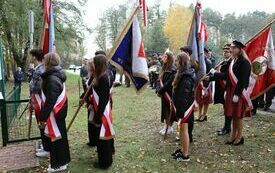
(2, 75)
(4, 123)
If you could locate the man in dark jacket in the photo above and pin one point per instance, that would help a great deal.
(84, 74)
(18, 77)
(220, 88)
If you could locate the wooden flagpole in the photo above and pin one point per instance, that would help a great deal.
(260, 31)
(110, 54)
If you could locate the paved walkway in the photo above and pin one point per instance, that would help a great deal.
(18, 156)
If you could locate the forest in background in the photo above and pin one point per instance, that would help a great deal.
(165, 29)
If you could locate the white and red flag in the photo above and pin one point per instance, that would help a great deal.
(260, 51)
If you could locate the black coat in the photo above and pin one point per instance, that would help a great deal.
(167, 79)
(183, 95)
(242, 70)
(208, 65)
(219, 90)
(52, 87)
(103, 90)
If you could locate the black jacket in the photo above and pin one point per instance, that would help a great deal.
(183, 95)
(103, 90)
(208, 65)
(167, 81)
(219, 90)
(52, 87)
(242, 70)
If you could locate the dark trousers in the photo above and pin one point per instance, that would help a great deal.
(191, 126)
(46, 142)
(105, 153)
(93, 132)
(227, 123)
(59, 150)
(105, 149)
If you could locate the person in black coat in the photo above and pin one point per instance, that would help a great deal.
(102, 87)
(236, 105)
(220, 87)
(164, 90)
(194, 65)
(52, 87)
(183, 98)
(18, 77)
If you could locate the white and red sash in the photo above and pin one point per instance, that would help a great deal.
(107, 130)
(168, 99)
(187, 114)
(37, 101)
(245, 93)
(51, 129)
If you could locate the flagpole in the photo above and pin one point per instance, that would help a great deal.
(266, 26)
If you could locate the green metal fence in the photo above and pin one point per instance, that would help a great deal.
(16, 122)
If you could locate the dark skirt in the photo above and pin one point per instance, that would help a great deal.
(59, 150)
(206, 98)
(93, 132)
(237, 110)
(105, 150)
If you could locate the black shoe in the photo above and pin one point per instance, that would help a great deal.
(241, 142)
(204, 119)
(230, 142)
(181, 158)
(176, 153)
(266, 108)
(224, 132)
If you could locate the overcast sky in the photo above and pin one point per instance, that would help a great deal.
(95, 8)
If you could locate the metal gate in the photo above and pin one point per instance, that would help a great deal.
(16, 122)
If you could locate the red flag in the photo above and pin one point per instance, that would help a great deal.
(144, 8)
(45, 34)
(260, 51)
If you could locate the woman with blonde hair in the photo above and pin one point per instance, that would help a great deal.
(54, 111)
(164, 90)
(183, 98)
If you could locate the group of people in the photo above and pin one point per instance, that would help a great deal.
(180, 90)
(177, 85)
(49, 102)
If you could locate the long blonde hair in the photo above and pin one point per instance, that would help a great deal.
(51, 59)
(183, 63)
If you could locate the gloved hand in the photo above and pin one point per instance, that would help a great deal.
(212, 71)
(235, 99)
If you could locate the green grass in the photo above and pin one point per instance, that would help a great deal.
(139, 147)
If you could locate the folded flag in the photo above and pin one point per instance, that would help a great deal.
(47, 37)
(196, 40)
(128, 54)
